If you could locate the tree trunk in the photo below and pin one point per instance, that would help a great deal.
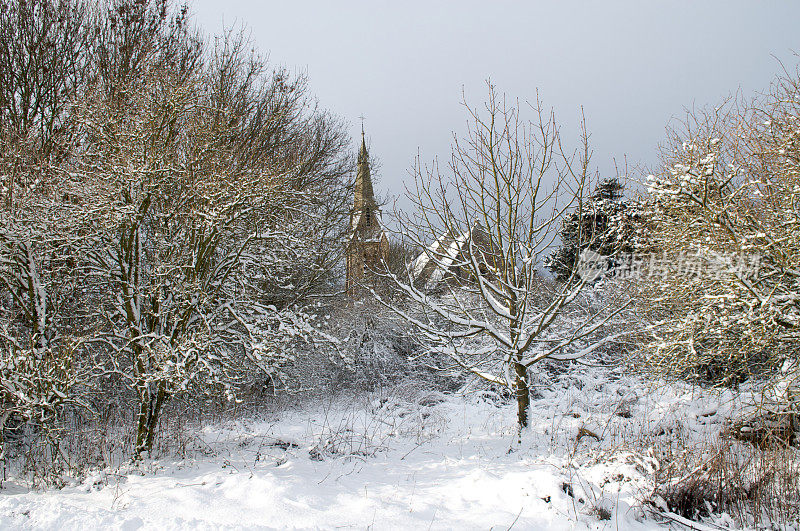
(523, 394)
(155, 414)
(141, 421)
(3, 418)
(147, 420)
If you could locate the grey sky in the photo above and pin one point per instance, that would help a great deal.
(632, 64)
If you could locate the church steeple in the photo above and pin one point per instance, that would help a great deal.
(364, 194)
(367, 244)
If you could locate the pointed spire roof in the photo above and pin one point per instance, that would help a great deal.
(364, 193)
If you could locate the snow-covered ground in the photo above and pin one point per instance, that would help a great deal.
(404, 458)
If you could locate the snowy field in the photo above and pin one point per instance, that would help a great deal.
(403, 458)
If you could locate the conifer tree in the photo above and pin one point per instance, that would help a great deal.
(602, 225)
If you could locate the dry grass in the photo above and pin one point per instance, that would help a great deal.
(756, 485)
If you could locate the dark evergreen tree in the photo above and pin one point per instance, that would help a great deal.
(602, 226)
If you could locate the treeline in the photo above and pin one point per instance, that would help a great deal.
(169, 201)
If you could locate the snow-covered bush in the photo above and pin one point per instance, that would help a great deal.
(35, 386)
(725, 207)
(377, 346)
(756, 486)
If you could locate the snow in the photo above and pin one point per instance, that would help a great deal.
(356, 220)
(401, 459)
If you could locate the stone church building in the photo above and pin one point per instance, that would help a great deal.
(367, 244)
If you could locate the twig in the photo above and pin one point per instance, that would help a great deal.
(515, 519)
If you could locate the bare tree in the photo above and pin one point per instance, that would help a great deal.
(493, 217)
(206, 187)
(44, 62)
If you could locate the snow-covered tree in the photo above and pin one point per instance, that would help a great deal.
(44, 289)
(605, 225)
(204, 188)
(492, 218)
(171, 244)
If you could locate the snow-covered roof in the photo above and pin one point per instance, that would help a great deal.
(440, 257)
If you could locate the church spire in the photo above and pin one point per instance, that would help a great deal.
(364, 194)
(367, 244)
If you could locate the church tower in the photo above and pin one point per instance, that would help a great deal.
(366, 243)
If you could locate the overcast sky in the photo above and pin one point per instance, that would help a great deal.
(633, 65)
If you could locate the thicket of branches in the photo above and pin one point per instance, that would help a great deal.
(169, 205)
(725, 208)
